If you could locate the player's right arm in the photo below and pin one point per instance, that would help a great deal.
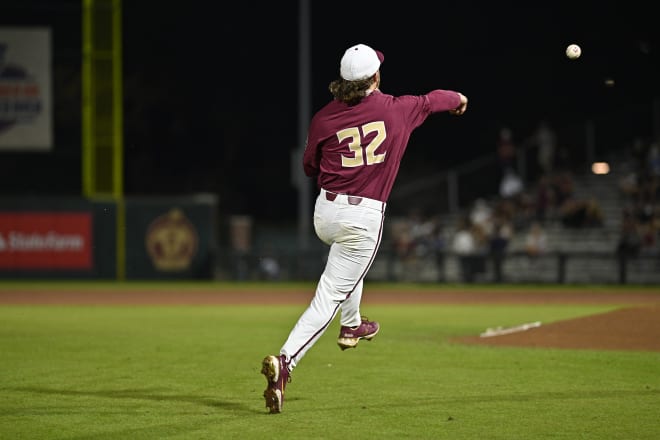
(312, 155)
(446, 100)
(418, 108)
(461, 107)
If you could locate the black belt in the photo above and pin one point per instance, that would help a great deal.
(352, 200)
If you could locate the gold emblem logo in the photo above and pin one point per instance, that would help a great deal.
(171, 241)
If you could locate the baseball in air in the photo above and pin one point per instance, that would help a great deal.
(573, 51)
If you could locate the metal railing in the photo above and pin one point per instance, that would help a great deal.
(512, 267)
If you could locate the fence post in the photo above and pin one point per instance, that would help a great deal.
(623, 269)
(561, 273)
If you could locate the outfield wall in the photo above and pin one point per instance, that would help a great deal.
(75, 238)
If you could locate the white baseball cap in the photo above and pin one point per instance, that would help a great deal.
(360, 62)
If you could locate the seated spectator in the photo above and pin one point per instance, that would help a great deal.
(653, 160)
(563, 187)
(575, 213)
(525, 212)
(649, 239)
(402, 240)
(464, 246)
(536, 241)
(629, 186)
(269, 268)
(481, 214)
(511, 184)
(545, 199)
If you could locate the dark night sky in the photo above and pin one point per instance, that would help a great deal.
(226, 80)
(211, 90)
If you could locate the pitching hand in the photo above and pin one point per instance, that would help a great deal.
(461, 107)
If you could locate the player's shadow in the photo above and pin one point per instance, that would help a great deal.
(153, 394)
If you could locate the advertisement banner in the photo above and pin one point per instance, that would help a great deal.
(169, 239)
(46, 240)
(25, 89)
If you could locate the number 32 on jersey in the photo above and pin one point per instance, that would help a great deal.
(368, 155)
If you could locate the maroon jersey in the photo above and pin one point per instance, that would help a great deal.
(357, 149)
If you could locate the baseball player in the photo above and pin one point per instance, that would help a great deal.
(354, 147)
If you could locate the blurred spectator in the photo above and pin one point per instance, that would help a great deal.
(511, 184)
(649, 239)
(575, 212)
(438, 245)
(653, 160)
(402, 243)
(416, 238)
(524, 212)
(536, 241)
(506, 148)
(643, 212)
(545, 141)
(481, 214)
(498, 243)
(647, 218)
(629, 184)
(639, 153)
(640, 183)
(269, 268)
(563, 187)
(630, 240)
(653, 166)
(545, 199)
(464, 246)
(421, 230)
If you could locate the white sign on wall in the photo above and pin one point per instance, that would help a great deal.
(25, 89)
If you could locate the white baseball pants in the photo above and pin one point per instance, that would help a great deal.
(353, 227)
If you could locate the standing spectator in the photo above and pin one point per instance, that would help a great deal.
(545, 140)
(438, 245)
(506, 149)
(499, 241)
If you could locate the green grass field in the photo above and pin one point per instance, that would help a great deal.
(192, 372)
